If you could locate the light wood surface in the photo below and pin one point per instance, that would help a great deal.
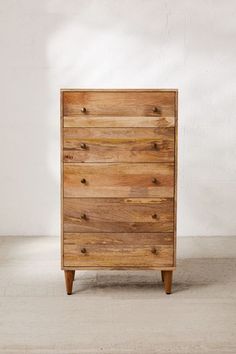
(119, 180)
(118, 215)
(69, 278)
(118, 145)
(176, 176)
(125, 256)
(118, 103)
(119, 175)
(119, 238)
(97, 121)
(167, 278)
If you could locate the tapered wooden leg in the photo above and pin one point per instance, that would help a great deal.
(167, 275)
(162, 275)
(69, 277)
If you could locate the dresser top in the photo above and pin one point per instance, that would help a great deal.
(119, 90)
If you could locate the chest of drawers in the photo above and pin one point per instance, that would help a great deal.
(118, 181)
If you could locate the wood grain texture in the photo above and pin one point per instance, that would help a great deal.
(121, 256)
(119, 129)
(89, 121)
(118, 215)
(167, 279)
(119, 239)
(127, 103)
(176, 176)
(61, 178)
(119, 180)
(119, 145)
(69, 278)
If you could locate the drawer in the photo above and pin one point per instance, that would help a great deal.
(118, 215)
(119, 180)
(118, 250)
(96, 121)
(118, 145)
(118, 103)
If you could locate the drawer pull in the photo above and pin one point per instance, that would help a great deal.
(69, 157)
(83, 146)
(83, 110)
(83, 216)
(83, 250)
(83, 180)
(154, 216)
(154, 250)
(154, 180)
(156, 110)
(155, 146)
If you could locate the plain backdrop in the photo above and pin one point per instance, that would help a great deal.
(51, 44)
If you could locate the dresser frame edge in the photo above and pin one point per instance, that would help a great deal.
(176, 177)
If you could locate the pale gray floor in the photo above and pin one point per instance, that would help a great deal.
(112, 312)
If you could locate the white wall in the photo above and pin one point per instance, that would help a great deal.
(49, 44)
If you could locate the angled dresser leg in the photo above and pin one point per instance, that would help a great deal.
(69, 277)
(167, 275)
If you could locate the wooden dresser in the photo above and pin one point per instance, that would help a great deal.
(118, 181)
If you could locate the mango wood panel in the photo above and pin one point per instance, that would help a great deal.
(118, 256)
(119, 180)
(118, 145)
(89, 121)
(118, 215)
(118, 239)
(126, 103)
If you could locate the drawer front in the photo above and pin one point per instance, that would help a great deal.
(119, 180)
(89, 121)
(118, 145)
(117, 103)
(118, 215)
(118, 250)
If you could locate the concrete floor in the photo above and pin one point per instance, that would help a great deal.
(112, 312)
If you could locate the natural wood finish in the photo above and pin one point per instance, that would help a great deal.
(61, 177)
(176, 176)
(119, 180)
(118, 162)
(118, 215)
(134, 267)
(167, 276)
(119, 145)
(119, 239)
(108, 247)
(122, 256)
(69, 277)
(128, 103)
(88, 121)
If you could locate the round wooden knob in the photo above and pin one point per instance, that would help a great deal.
(83, 110)
(83, 146)
(83, 250)
(153, 250)
(155, 146)
(154, 180)
(83, 180)
(155, 109)
(83, 216)
(154, 216)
